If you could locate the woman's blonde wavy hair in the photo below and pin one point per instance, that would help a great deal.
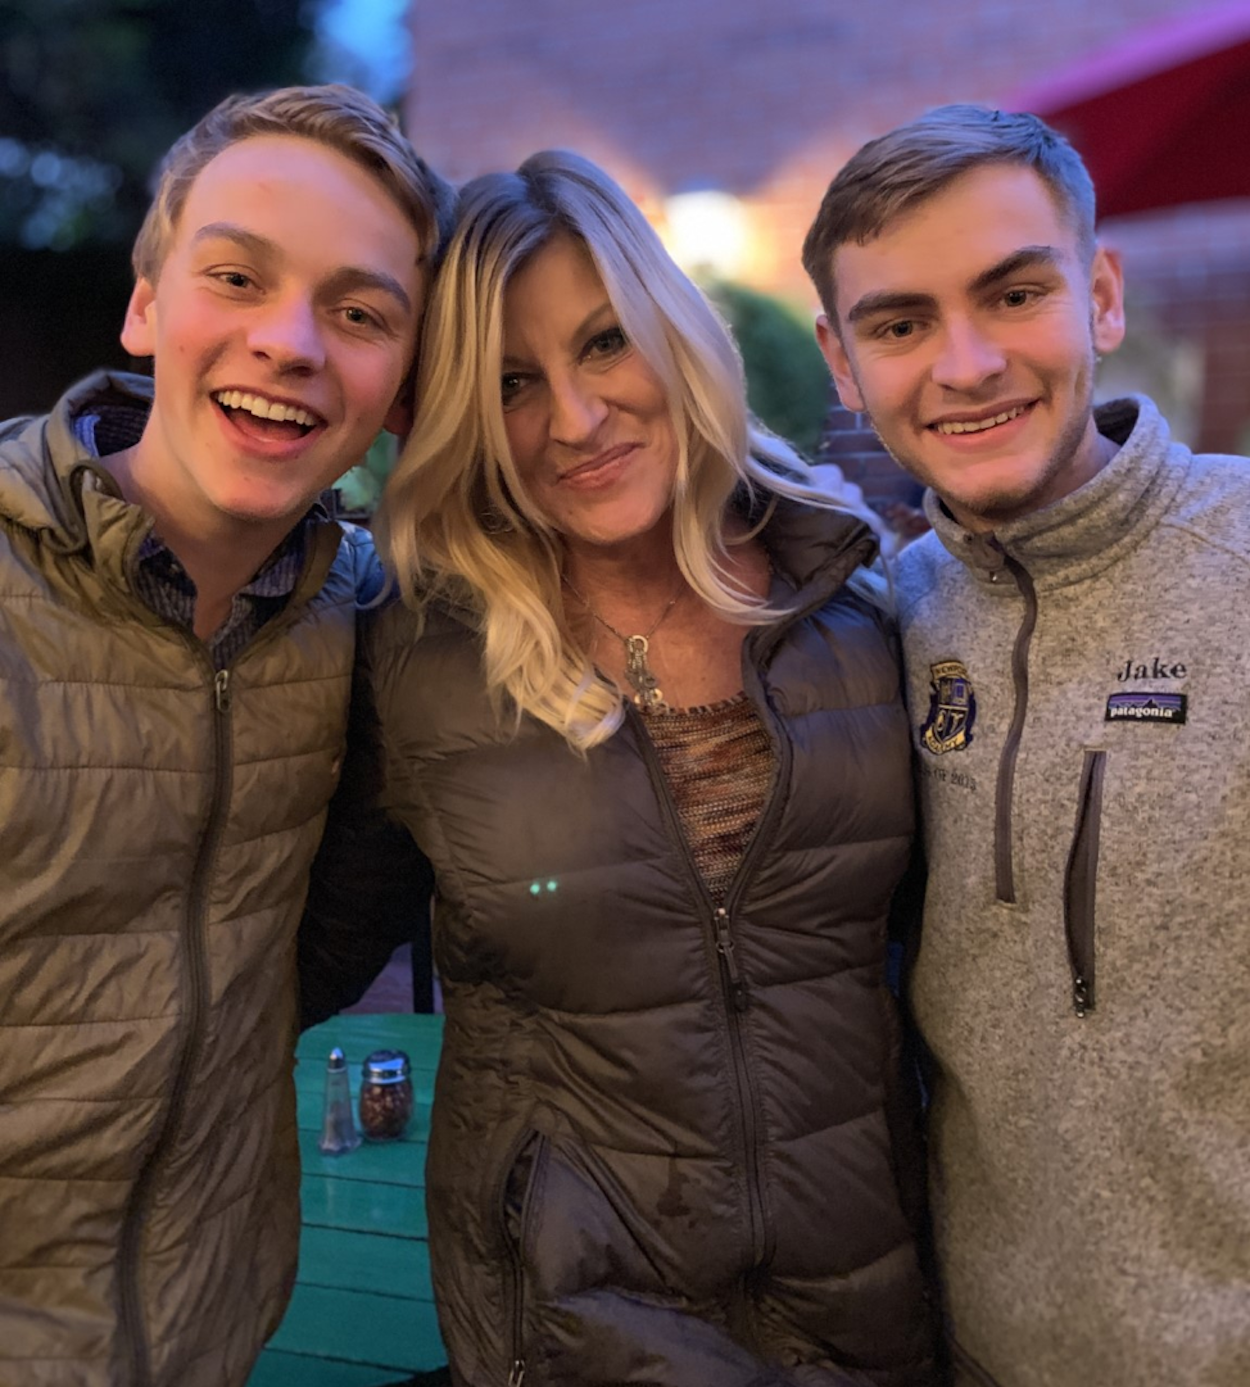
(457, 524)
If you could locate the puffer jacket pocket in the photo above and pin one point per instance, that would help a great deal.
(523, 1174)
(1081, 882)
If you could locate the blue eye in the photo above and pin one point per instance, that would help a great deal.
(610, 342)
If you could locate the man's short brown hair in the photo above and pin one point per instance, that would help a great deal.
(339, 117)
(895, 173)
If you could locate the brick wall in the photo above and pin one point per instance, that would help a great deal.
(767, 101)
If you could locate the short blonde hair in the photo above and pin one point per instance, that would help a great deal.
(339, 117)
(457, 522)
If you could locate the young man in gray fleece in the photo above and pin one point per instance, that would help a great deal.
(1077, 639)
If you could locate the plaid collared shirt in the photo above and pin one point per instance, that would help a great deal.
(163, 584)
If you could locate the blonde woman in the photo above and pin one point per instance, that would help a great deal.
(649, 735)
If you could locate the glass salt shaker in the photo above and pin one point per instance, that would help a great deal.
(338, 1128)
(385, 1095)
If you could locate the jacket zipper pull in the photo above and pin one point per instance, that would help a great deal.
(221, 690)
(725, 947)
(517, 1376)
(1082, 1000)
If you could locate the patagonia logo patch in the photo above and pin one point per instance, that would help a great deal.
(1146, 707)
(952, 708)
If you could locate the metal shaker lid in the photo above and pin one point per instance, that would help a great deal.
(386, 1067)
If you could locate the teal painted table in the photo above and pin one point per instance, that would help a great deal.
(362, 1313)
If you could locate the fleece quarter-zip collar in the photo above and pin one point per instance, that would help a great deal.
(1095, 526)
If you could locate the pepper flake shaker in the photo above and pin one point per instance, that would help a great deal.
(385, 1095)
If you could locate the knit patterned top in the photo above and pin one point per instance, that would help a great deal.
(718, 762)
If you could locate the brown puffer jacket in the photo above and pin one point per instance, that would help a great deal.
(650, 1163)
(156, 828)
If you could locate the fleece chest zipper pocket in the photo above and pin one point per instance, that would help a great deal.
(1080, 886)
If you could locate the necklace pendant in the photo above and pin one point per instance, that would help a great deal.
(647, 692)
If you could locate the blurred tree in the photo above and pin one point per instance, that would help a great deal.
(787, 379)
(92, 93)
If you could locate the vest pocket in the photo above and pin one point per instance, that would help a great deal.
(1081, 881)
(523, 1174)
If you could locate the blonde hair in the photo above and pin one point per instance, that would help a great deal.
(339, 117)
(457, 524)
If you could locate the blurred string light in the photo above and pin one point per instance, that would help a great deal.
(706, 232)
(366, 43)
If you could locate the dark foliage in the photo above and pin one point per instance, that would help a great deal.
(107, 85)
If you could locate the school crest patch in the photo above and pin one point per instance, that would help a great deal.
(952, 708)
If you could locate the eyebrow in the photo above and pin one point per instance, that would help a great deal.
(348, 277)
(586, 325)
(1027, 257)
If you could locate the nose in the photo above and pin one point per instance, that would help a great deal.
(577, 411)
(967, 357)
(286, 331)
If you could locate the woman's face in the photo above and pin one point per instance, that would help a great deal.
(587, 418)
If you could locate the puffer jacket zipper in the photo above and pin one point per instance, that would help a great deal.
(136, 1347)
(734, 986)
(1081, 879)
(1004, 868)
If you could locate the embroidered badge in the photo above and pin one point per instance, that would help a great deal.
(1146, 707)
(952, 708)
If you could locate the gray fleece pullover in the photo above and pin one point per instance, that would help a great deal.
(1080, 697)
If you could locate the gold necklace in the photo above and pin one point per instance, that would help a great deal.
(647, 692)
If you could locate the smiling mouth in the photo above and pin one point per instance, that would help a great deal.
(949, 426)
(264, 417)
(597, 464)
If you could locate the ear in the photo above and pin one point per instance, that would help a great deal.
(1107, 295)
(839, 364)
(399, 417)
(139, 325)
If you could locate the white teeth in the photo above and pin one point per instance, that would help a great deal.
(978, 425)
(263, 408)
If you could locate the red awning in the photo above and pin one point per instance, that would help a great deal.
(1163, 117)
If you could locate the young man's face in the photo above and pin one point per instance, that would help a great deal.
(282, 326)
(967, 331)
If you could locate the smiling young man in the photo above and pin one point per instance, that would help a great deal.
(1077, 642)
(177, 632)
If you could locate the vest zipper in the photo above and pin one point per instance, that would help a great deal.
(513, 1246)
(737, 1002)
(738, 993)
(1081, 881)
(136, 1348)
(725, 948)
(734, 987)
(1004, 866)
